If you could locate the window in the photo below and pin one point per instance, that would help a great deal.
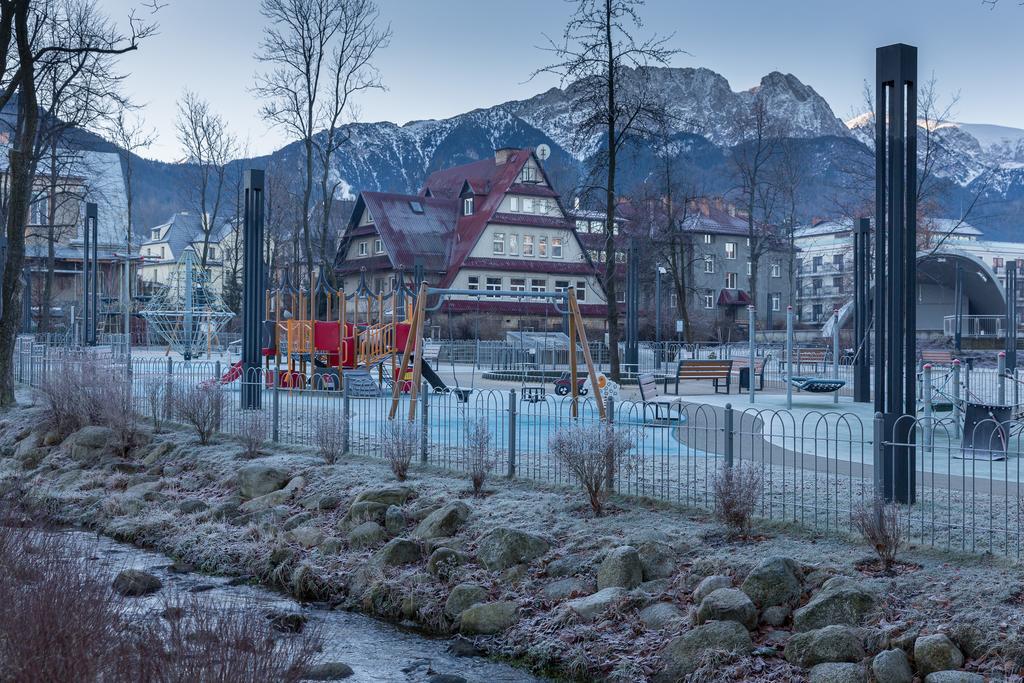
(493, 284)
(776, 302)
(499, 243)
(542, 206)
(709, 264)
(776, 270)
(542, 247)
(620, 296)
(997, 262)
(528, 204)
(513, 245)
(369, 218)
(474, 282)
(748, 241)
(730, 250)
(709, 298)
(730, 280)
(556, 247)
(672, 300)
(530, 174)
(362, 249)
(561, 285)
(837, 283)
(467, 206)
(816, 264)
(750, 268)
(155, 234)
(708, 238)
(799, 265)
(837, 261)
(537, 285)
(583, 226)
(513, 204)
(581, 290)
(378, 247)
(518, 284)
(527, 245)
(816, 284)
(816, 311)
(213, 253)
(620, 257)
(416, 207)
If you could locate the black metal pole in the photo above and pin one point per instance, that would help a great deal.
(91, 208)
(1011, 316)
(252, 290)
(3, 266)
(632, 304)
(896, 229)
(861, 294)
(958, 309)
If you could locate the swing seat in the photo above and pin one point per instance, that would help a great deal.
(817, 385)
(534, 394)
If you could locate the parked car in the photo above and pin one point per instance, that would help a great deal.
(563, 385)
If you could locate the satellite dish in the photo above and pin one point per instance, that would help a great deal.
(543, 152)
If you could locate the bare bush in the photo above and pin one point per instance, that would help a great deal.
(480, 455)
(200, 407)
(400, 440)
(62, 622)
(329, 436)
(159, 394)
(593, 454)
(116, 402)
(880, 524)
(737, 492)
(253, 428)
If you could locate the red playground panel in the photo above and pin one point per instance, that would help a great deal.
(327, 338)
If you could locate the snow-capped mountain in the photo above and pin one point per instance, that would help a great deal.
(707, 124)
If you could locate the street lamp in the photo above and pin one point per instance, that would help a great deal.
(657, 303)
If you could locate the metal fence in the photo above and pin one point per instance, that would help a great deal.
(816, 468)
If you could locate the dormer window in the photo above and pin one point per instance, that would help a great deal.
(467, 206)
(530, 174)
(156, 234)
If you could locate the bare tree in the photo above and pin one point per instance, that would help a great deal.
(21, 67)
(615, 104)
(320, 55)
(209, 147)
(752, 161)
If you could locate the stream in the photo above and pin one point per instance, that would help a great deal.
(376, 650)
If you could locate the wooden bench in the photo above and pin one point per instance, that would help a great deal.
(937, 357)
(807, 355)
(717, 371)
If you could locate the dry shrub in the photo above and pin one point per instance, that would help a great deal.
(593, 454)
(737, 492)
(159, 393)
(329, 436)
(200, 407)
(400, 441)
(480, 454)
(62, 622)
(253, 427)
(880, 524)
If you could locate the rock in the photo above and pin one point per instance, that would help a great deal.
(307, 536)
(328, 671)
(255, 480)
(446, 678)
(332, 545)
(727, 604)
(564, 588)
(366, 535)
(462, 597)
(388, 495)
(891, 666)
(513, 574)
(296, 520)
(657, 559)
(192, 506)
(832, 672)
(487, 618)
(828, 644)
(661, 614)
(775, 616)
(681, 656)
(621, 567)
(590, 607)
(840, 601)
(443, 561)
(399, 551)
(443, 522)
(953, 677)
(566, 566)
(266, 501)
(709, 585)
(654, 587)
(51, 438)
(89, 442)
(502, 547)
(324, 502)
(394, 520)
(287, 622)
(134, 583)
(366, 511)
(936, 653)
(774, 582)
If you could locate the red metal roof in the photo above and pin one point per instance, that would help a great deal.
(733, 297)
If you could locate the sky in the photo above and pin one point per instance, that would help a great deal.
(450, 56)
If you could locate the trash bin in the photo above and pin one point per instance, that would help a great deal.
(745, 379)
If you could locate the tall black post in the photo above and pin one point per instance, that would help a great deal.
(958, 308)
(633, 306)
(26, 299)
(252, 290)
(861, 296)
(895, 263)
(90, 274)
(3, 266)
(1011, 316)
